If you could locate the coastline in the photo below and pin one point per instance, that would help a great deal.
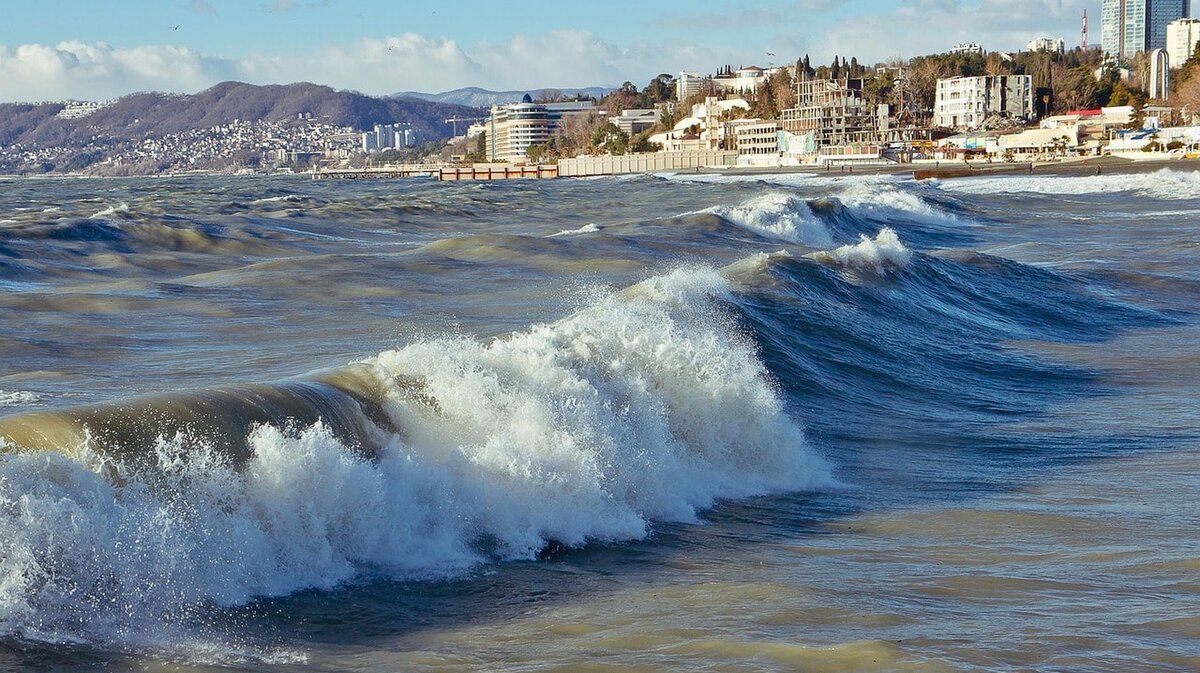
(1084, 167)
(1107, 165)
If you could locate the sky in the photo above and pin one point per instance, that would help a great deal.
(101, 49)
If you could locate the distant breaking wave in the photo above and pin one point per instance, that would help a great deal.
(1164, 184)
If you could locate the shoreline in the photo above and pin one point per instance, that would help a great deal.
(1090, 166)
(1085, 167)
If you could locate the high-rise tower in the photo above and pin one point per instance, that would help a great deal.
(1130, 26)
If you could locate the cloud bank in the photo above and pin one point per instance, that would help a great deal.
(558, 58)
(561, 58)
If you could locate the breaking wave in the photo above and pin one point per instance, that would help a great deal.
(1164, 184)
(589, 228)
(121, 208)
(878, 254)
(646, 406)
(780, 216)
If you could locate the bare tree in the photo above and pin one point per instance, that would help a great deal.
(1187, 95)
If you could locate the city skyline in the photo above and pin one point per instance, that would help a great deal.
(380, 47)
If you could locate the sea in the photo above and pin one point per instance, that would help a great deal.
(648, 423)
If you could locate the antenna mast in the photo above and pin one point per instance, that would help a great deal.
(1083, 33)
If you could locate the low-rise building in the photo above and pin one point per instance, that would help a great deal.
(966, 48)
(743, 81)
(634, 121)
(706, 128)
(756, 139)
(1040, 143)
(967, 102)
(1050, 44)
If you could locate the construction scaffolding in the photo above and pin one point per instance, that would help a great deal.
(835, 112)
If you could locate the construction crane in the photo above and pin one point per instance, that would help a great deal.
(455, 120)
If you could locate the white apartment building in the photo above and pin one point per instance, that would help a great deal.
(966, 102)
(688, 84)
(703, 128)
(744, 80)
(966, 48)
(756, 137)
(1050, 44)
(1182, 37)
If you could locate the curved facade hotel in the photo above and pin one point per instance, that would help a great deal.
(513, 128)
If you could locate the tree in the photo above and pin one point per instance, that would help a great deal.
(659, 90)
(1079, 90)
(1187, 95)
(610, 140)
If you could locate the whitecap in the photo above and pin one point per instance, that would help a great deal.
(1164, 184)
(876, 254)
(589, 228)
(778, 215)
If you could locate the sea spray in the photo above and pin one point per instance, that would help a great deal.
(877, 254)
(780, 216)
(647, 405)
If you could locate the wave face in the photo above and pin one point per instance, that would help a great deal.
(645, 406)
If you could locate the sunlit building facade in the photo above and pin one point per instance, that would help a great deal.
(1131, 26)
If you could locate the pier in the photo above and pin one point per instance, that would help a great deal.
(448, 172)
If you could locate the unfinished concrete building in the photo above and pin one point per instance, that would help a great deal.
(835, 112)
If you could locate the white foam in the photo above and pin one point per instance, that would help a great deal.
(110, 211)
(1164, 184)
(14, 398)
(780, 216)
(589, 228)
(645, 406)
(782, 179)
(287, 198)
(882, 198)
(877, 254)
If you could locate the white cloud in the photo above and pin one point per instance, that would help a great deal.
(933, 26)
(97, 70)
(562, 58)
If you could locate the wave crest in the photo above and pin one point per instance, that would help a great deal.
(877, 254)
(780, 216)
(646, 406)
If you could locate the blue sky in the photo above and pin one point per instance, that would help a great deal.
(99, 49)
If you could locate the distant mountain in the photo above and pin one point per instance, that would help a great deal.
(474, 96)
(150, 115)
